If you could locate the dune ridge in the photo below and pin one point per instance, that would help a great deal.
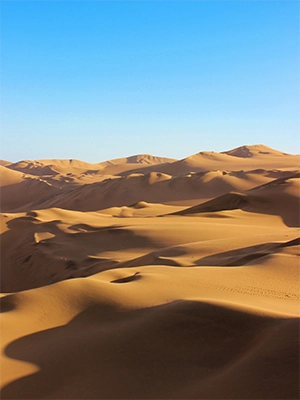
(147, 277)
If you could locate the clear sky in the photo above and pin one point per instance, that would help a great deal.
(97, 80)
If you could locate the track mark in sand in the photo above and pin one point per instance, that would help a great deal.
(257, 291)
(127, 279)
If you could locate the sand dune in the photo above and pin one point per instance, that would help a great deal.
(133, 338)
(151, 278)
(77, 167)
(73, 244)
(18, 189)
(5, 163)
(257, 150)
(154, 187)
(81, 186)
(63, 176)
(9, 177)
(279, 197)
(206, 161)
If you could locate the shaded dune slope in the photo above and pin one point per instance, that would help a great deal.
(111, 346)
(279, 197)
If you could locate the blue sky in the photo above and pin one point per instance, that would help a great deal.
(97, 80)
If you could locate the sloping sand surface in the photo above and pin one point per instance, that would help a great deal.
(5, 163)
(279, 197)
(151, 278)
(155, 332)
(9, 177)
(265, 158)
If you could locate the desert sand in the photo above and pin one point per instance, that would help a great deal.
(151, 278)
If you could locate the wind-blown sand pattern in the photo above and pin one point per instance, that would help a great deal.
(151, 278)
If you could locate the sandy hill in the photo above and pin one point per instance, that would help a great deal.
(151, 278)
(127, 165)
(31, 189)
(154, 187)
(256, 150)
(81, 186)
(19, 189)
(280, 197)
(5, 163)
(241, 158)
(139, 159)
(49, 167)
(55, 166)
(51, 177)
(9, 177)
(233, 160)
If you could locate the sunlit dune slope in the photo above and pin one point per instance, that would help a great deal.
(152, 332)
(256, 150)
(256, 156)
(5, 163)
(9, 177)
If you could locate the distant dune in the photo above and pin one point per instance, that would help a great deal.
(4, 163)
(76, 185)
(257, 150)
(147, 277)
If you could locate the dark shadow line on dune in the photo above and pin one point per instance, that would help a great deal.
(130, 278)
(86, 227)
(238, 257)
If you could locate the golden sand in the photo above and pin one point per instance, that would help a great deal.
(151, 278)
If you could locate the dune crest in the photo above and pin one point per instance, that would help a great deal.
(252, 151)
